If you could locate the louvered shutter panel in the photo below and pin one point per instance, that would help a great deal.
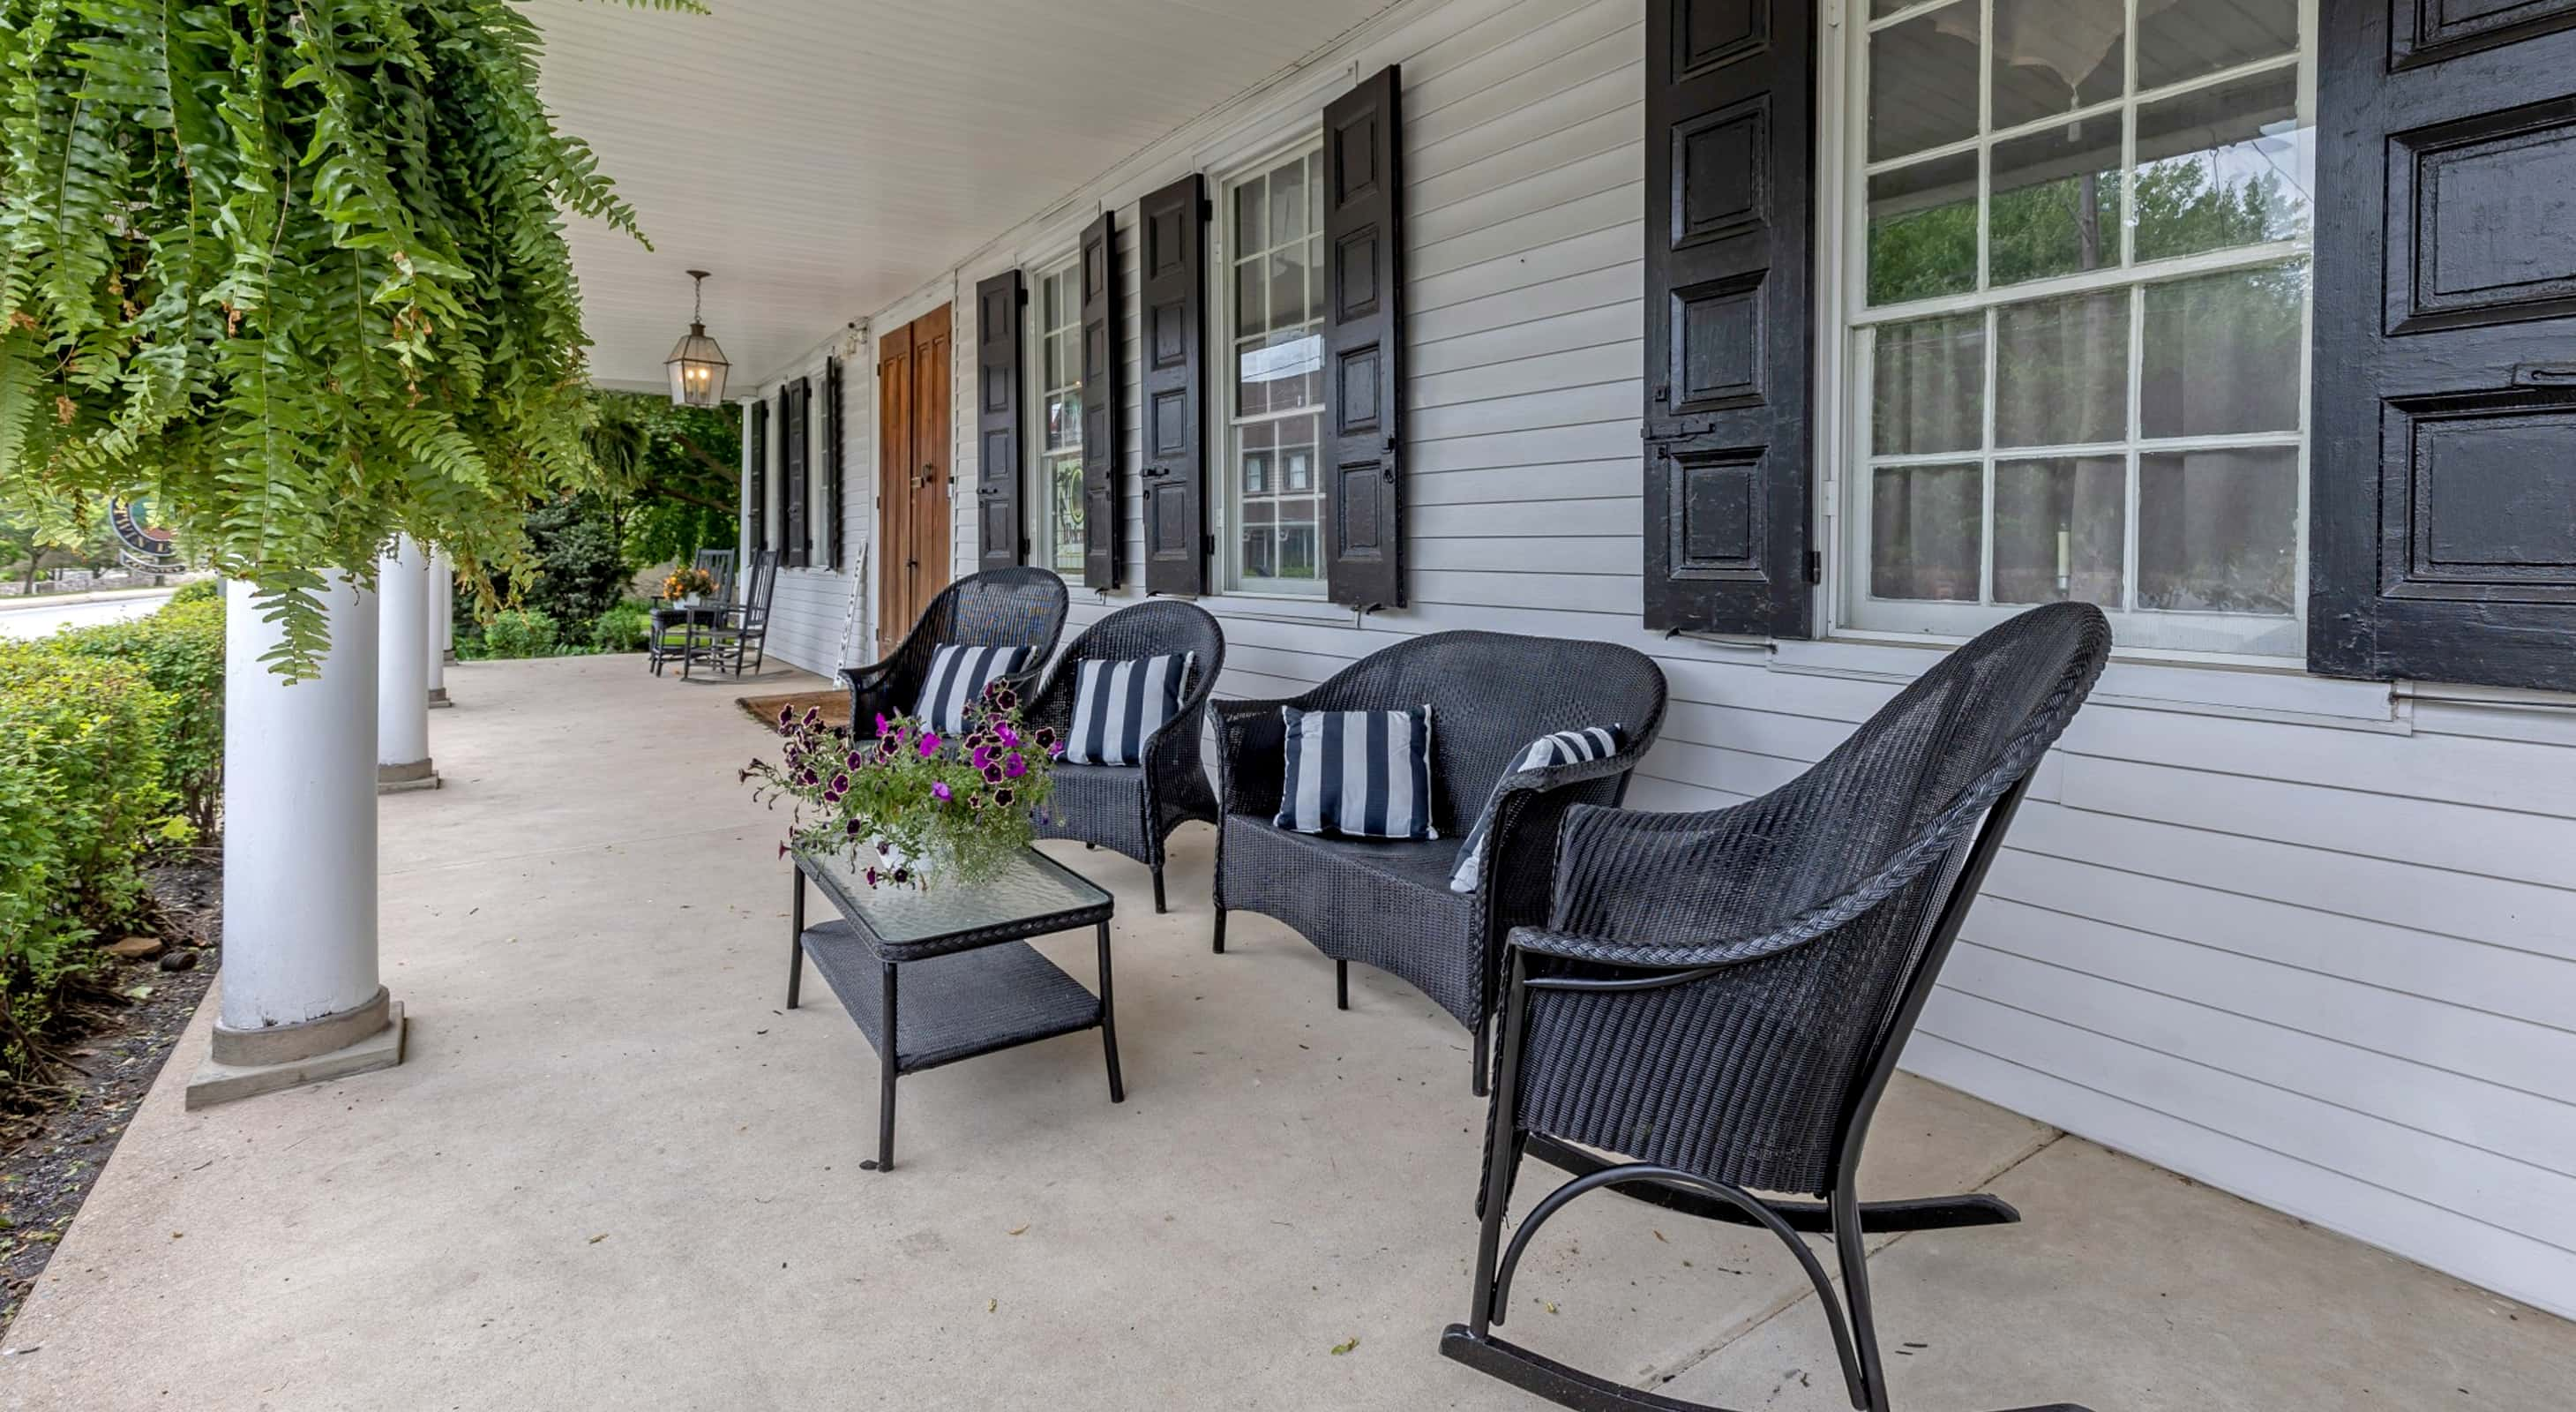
(998, 399)
(1102, 551)
(1363, 345)
(1171, 235)
(758, 528)
(791, 469)
(2443, 527)
(836, 474)
(1730, 313)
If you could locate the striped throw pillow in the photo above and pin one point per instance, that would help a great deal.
(1562, 748)
(958, 676)
(1366, 774)
(1117, 705)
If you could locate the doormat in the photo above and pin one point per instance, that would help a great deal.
(835, 706)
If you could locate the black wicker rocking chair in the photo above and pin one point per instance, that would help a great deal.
(1720, 998)
(1134, 808)
(1016, 607)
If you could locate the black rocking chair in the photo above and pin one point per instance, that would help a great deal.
(997, 608)
(670, 619)
(725, 638)
(1134, 808)
(1720, 998)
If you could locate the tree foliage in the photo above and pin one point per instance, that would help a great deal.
(295, 270)
(670, 474)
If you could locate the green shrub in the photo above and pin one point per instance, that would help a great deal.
(624, 627)
(180, 650)
(516, 633)
(81, 795)
(199, 591)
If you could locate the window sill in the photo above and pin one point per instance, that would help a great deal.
(1309, 608)
(2258, 690)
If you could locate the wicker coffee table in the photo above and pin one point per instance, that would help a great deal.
(957, 958)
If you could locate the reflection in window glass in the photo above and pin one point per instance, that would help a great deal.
(1923, 230)
(2056, 204)
(2055, 56)
(1056, 510)
(2231, 164)
(2062, 370)
(2218, 530)
(1923, 81)
(2222, 353)
(1273, 241)
(2185, 39)
(1928, 386)
(2059, 528)
(1924, 531)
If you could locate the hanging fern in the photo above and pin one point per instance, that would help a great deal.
(294, 270)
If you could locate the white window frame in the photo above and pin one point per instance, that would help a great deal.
(1037, 482)
(1225, 507)
(1844, 365)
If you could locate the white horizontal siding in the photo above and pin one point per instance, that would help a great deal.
(2332, 969)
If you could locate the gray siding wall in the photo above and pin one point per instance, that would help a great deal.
(2312, 942)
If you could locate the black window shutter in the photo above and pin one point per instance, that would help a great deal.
(758, 535)
(792, 403)
(1730, 314)
(1363, 352)
(2442, 481)
(835, 472)
(1102, 551)
(1171, 234)
(999, 543)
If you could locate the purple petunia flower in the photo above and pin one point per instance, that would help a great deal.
(1045, 736)
(1008, 700)
(782, 850)
(1015, 766)
(813, 716)
(1004, 796)
(1010, 738)
(881, 723)
(940, 793)
(902, 875)
(853, 828)
(1056, 751)
(854, 759)
(929, 745)
(872, 877)
(992, 774)
(786, 717)
(840, 785)
(884, 848)
(982, 756)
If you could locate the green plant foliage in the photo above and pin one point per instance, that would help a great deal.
(625, 627)
(180, 650)
(517, 632)
(81, 795)
(297, 273)
(198, 591)
(670, 474)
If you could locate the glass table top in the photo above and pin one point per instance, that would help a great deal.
(1029, 887)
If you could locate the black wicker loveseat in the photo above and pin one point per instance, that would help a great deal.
(1388, 904)
(997, 608)
(1134, 808)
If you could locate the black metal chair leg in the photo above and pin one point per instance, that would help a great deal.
(796, 940)
(1502, 1156)
(1341, 985)
(1109, 1023)
(1159, 909)
(1851, 1252)
(887, 1064)
(1220, 931)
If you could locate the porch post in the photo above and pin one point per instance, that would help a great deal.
(301, 1001)
(402, 671)
(442, 603)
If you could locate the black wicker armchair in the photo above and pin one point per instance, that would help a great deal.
(1134, 808)
(997, 608)
(1720, 998)
(1389, 904)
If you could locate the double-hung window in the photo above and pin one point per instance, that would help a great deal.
(2076, 294)
(1055, 494)
(1270, 255)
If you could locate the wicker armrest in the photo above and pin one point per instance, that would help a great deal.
(1552, 777)
(1251, 741)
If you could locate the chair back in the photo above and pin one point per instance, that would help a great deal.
(757, 587)
(718, 565)
(1019, 606)
(1491, 694)
(1157, 627)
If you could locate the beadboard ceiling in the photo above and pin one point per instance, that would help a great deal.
(825, 157)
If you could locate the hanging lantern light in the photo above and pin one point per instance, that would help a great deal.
(696, 364)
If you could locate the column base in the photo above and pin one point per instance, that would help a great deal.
(438, 698)
(218, 1080)
(400, 779)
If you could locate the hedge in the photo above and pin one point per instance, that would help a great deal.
(180, 650)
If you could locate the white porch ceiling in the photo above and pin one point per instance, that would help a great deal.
(825, 157)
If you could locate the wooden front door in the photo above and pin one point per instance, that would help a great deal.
(912, 472)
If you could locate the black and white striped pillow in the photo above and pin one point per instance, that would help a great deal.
(1562, 748)
(958, 675)
(1366, 774)
(1117, 705)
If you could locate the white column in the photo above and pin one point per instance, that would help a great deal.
(301, 1000)
(442, 602)
(402, 670)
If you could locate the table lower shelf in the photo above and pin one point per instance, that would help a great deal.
(951, 1007)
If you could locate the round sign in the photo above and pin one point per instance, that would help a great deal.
(145, 547)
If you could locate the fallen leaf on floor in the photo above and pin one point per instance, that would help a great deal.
(603, 1235)
(178, 1235)
(1659, 1235)
(992, 1304)
(1021, 1229)
(1548, 1304)
(21, 1352)
(1346, 1345)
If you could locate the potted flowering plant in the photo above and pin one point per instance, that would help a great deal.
(687, 584)
(954, 807)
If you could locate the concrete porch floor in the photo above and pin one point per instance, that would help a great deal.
(612, 1172)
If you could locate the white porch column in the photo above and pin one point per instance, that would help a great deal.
(301, 999)
(402, 670)
(442, 603)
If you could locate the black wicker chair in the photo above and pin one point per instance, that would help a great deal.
(669, 639)
(1388, 903)
(1720, 997)
(1133, 808)
(996, 608)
